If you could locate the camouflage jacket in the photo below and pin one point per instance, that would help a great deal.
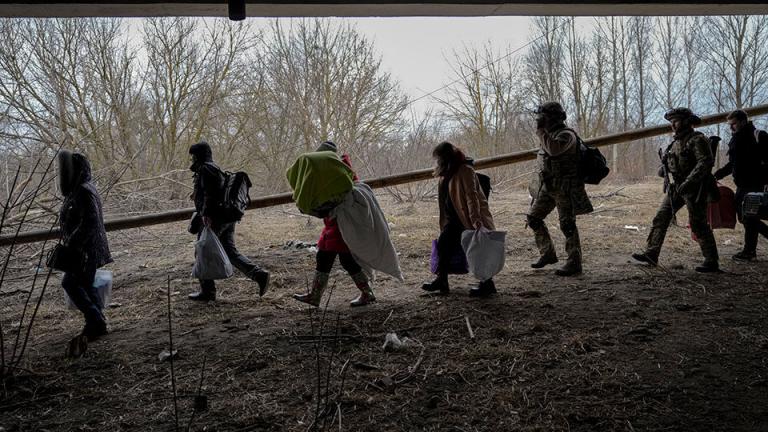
(689, 161)
(560, 174)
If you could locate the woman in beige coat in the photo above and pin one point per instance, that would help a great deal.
(463, 206)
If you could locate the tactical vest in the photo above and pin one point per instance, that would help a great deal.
(681, 158)
(565, 165)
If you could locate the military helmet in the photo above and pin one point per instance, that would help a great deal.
(684, 113)
(553, 109)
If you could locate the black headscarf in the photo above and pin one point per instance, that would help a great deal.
(202, 153)
(74, 170)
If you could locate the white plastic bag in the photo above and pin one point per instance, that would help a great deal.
(103, 284)
(485, 252)
(211, 262)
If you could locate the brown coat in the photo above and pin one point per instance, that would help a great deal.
(468, 200)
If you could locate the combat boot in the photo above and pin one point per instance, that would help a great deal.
(313, 297)
(366, 293)
(570, 268)
(646, 257)
(709, 250)
(547, 254)
(545, 260)
(708, 267)
(744, 256)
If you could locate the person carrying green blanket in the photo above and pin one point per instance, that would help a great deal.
(319, 180)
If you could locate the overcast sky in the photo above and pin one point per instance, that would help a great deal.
(414, 49)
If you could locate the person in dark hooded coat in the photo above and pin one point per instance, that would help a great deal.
(208, 196)
(82, 233)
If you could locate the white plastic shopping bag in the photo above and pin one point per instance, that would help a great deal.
(102, 282)
(485, 252)
(211, 262)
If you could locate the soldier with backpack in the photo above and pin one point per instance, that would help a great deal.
(747, 163)
(687, 164)
(559, 183)
(218, 197)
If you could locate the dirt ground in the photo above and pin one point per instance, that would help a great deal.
(623, 347)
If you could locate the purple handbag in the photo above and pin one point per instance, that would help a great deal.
(457, 265)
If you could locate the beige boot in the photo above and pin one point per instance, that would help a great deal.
(318, 286)
(366, 293)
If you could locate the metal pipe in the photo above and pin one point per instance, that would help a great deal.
(380, 182)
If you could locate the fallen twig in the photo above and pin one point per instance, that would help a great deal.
(469, 327)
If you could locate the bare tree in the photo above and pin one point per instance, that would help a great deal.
(736, 53)
(486, 103)
(544, 60)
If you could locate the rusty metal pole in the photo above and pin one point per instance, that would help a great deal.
(380, 182)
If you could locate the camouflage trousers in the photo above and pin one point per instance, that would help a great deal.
(542, 206)
(697, 214)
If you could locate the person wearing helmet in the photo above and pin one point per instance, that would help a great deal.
(557, 184)
(688, 161)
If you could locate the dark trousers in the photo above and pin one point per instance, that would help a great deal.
(79, 288)
(226, 235)
(753, 227)
(447, 243)
(325, 260)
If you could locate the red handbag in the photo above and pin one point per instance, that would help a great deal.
(722, 213)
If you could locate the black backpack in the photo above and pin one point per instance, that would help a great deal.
(235, 197)
(593, 167)
(485, 184)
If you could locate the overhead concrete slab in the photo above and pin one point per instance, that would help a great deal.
(376, 8)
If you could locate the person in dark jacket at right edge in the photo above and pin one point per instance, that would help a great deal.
(208, 193)
(747, 156)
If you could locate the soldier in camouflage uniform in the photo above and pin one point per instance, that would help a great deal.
(687, 163)
(557, 184)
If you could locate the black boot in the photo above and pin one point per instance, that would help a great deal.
(94, 329)
(484, 289)
(207, 293)
(261, 277)
(646, 258)
(440, 284)
(544, 260)
(708, 267)
(744, 256)
(570, 268)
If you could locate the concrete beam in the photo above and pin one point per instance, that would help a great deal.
(373, 8)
